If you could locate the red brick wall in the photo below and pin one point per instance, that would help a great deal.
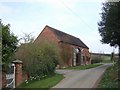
(64, 48)
(70, 61)
(48, 35)
(18, 74)
(86, 54)
(4, 82)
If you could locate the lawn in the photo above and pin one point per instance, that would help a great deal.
(109, 78)
(82, 67)
(47, 82)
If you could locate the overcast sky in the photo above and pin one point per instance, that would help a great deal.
(75, 17)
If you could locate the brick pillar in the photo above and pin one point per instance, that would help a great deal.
(18, 72)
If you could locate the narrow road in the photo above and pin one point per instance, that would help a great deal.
(81, 78)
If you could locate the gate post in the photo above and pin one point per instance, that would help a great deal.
(18, 72)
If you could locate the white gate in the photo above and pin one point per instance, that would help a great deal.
(10, 76)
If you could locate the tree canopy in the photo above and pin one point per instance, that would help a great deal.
(9, 43)
(109, 26)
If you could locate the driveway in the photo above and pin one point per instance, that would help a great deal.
(81, 78)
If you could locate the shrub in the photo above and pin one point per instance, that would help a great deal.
(39, 59)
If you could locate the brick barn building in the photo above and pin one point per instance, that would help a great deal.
(74, 50)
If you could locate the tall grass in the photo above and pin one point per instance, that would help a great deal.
(110, 78)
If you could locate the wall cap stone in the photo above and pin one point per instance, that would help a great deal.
(17, 61)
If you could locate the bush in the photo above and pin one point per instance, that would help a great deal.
(39, 59)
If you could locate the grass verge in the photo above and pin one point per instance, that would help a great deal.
(83, 67)
(47, 82)
(106, 59)
(110, 78)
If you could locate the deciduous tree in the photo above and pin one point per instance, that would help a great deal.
(9, 44)
(109, 26)
(38, 58)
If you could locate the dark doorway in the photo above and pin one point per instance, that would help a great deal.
(77, 62)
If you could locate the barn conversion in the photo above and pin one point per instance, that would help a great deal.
(74, 50)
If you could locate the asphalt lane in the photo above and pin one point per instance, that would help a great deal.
(81, 78)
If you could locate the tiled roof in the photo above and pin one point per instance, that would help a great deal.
(66, 38)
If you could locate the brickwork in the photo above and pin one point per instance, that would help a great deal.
(18, 72)
(4, 82)
(49, 35)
